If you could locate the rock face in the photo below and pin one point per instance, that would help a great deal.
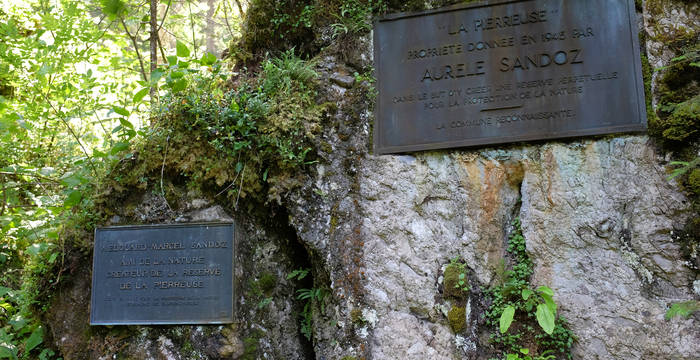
(598, 215)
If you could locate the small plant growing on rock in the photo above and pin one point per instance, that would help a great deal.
(311, 297)
(516, 306)
(523, 354)
(455, 281)
(683, 309)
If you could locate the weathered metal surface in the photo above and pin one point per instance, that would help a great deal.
(163, 274)
(507, 71)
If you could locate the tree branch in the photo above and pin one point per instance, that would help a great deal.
(136, 47)
(154, 48)
(165, 15)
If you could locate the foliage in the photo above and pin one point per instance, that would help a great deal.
(515, 306)
(312, 297)
(683, 309)
(255, 138)
(72, 103)
(354, 16)
(524, 354)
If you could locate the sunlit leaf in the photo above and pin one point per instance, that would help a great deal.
(506, 319)
(172, 60)
(126, 123)
(178, 85)
(113, 8)
(140, 95)
(120, 110)
(545, 317)
(156, 75)
(182, 50)
(208, 59)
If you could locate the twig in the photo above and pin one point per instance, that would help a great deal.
(165, 15)
(240, 187)
(160, 46)
(240, 8)
(226, 19)
(194, 40)
(70, 129)
(234, 179)
(136, 48)
(30, 175)
(4, 198)
(162, 170)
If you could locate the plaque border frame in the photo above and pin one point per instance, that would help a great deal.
(234, 231)
(639, 127)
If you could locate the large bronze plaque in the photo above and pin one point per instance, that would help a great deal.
(163, 274)
(507, 71)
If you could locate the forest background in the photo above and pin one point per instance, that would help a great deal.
(78, 86)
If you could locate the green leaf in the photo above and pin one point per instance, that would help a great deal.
(118, 147)
(182, 50)
(545, 317)
(545, 290)
(176, 74)
(34, 340)
(549, 301)
(506, 318)
(141, 94)
(208, 59)
(73, 198)
(683, 309)
(525, 351)
(18, 322)
(155, 76)
(4, 290)
(526, 293)
(126, 123)
(178, 85)
(36, 249)
(120, 110)
(113, 8)
(46, 354)
(172, 60)
(7, 353)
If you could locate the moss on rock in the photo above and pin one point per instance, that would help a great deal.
(451, 283)
(694, 181)
(683, 124)
(457, 318)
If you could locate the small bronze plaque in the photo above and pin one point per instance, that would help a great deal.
(163, 274)
(507, 71)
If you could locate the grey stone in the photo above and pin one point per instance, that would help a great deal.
(345, 81)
